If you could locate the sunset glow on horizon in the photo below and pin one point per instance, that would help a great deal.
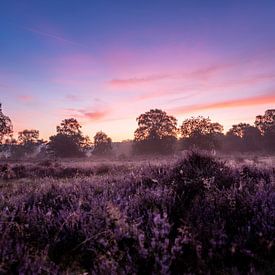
(106, 62)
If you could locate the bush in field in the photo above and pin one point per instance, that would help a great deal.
(195, 216)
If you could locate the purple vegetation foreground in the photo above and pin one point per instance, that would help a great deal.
(194, 216)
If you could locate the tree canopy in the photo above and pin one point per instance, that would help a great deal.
(69, 127)
(266, 121)
(154, 125)
(102, 144)
(200, 132)
(156, 132)
(199, 125)
(6, 128)
(266, 125)
(238, 129)
(28, 136)
(69, 140)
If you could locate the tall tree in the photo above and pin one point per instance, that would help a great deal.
(156, 132)
(28, 136)
(243, 137)
(28, 143)
(200, 132)
(102, 144)
(199, 125)
(69, 127)
(238, 129)
(266, 125)
(266, 121)
(6, 128)
(69, 140)
(252, 139)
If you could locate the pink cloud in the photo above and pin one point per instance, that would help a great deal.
(86, 114)
(199, 74)
(234, 103)
(95, 116)
(246, 81)
(26, 98)
(136, 80)
(165, 93)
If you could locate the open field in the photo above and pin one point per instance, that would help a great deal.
(193, 213)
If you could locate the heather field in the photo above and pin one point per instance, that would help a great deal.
(191, 214)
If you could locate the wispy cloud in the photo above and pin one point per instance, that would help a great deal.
(200, 74)
(184, 92)
(26, 98)
(72, 97)
(95, 116)
(234, 103)
(245, 81)
(86, 114)
(138, 80)
(52, 36)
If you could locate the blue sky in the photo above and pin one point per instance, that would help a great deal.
(105, 62)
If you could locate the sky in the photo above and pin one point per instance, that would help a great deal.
(104, 62)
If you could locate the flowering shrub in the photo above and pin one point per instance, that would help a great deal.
(197, 215)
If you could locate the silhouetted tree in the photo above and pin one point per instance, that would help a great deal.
(6, 128)
(28, 141)
(102, 144)
(156, 132)
(269, 139)
(64, 146)
(266, 125)
(238, 129)
(231, 142)
(252, 139)
(266, 121)
(243, 137)
(28, 136)
(69, 127)
(69, 139)
(200, 132)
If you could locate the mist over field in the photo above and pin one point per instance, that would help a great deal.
(137, 137)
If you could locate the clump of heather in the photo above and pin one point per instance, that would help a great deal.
(196, 215)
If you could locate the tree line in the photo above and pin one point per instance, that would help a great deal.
(157, 133)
